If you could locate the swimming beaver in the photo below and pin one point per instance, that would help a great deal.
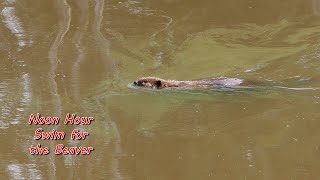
(158, 83)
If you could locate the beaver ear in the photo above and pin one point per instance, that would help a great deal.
(158, 83)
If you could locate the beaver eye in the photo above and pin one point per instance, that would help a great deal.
(145, 81)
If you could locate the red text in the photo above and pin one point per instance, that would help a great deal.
(38, 150)
(76, 134)
(43, 120)
(60, 149)
(54, 135)
(73, 119)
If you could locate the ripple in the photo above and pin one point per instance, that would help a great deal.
(299, 89)
(164, 46)
(160, 45)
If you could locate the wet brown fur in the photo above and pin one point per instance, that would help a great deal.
(158, 83)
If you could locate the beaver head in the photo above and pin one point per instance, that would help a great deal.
(150, 82)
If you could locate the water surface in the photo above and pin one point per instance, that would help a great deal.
(61, 57)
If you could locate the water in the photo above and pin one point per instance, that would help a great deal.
(60, 57)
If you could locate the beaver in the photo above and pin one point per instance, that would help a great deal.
(158, 83)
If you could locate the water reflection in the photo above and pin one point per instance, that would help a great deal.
(316, 7)
(103, 43)
(64, 14)
(64, 11)
(28, 171)
(13, 23)
(162, 48)
(25, 100)
(161, 39)
(81, 49)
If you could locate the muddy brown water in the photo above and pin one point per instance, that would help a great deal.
(59, 57)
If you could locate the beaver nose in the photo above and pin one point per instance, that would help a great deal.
(135, 83)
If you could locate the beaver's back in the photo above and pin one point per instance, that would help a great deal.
(227, 82)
